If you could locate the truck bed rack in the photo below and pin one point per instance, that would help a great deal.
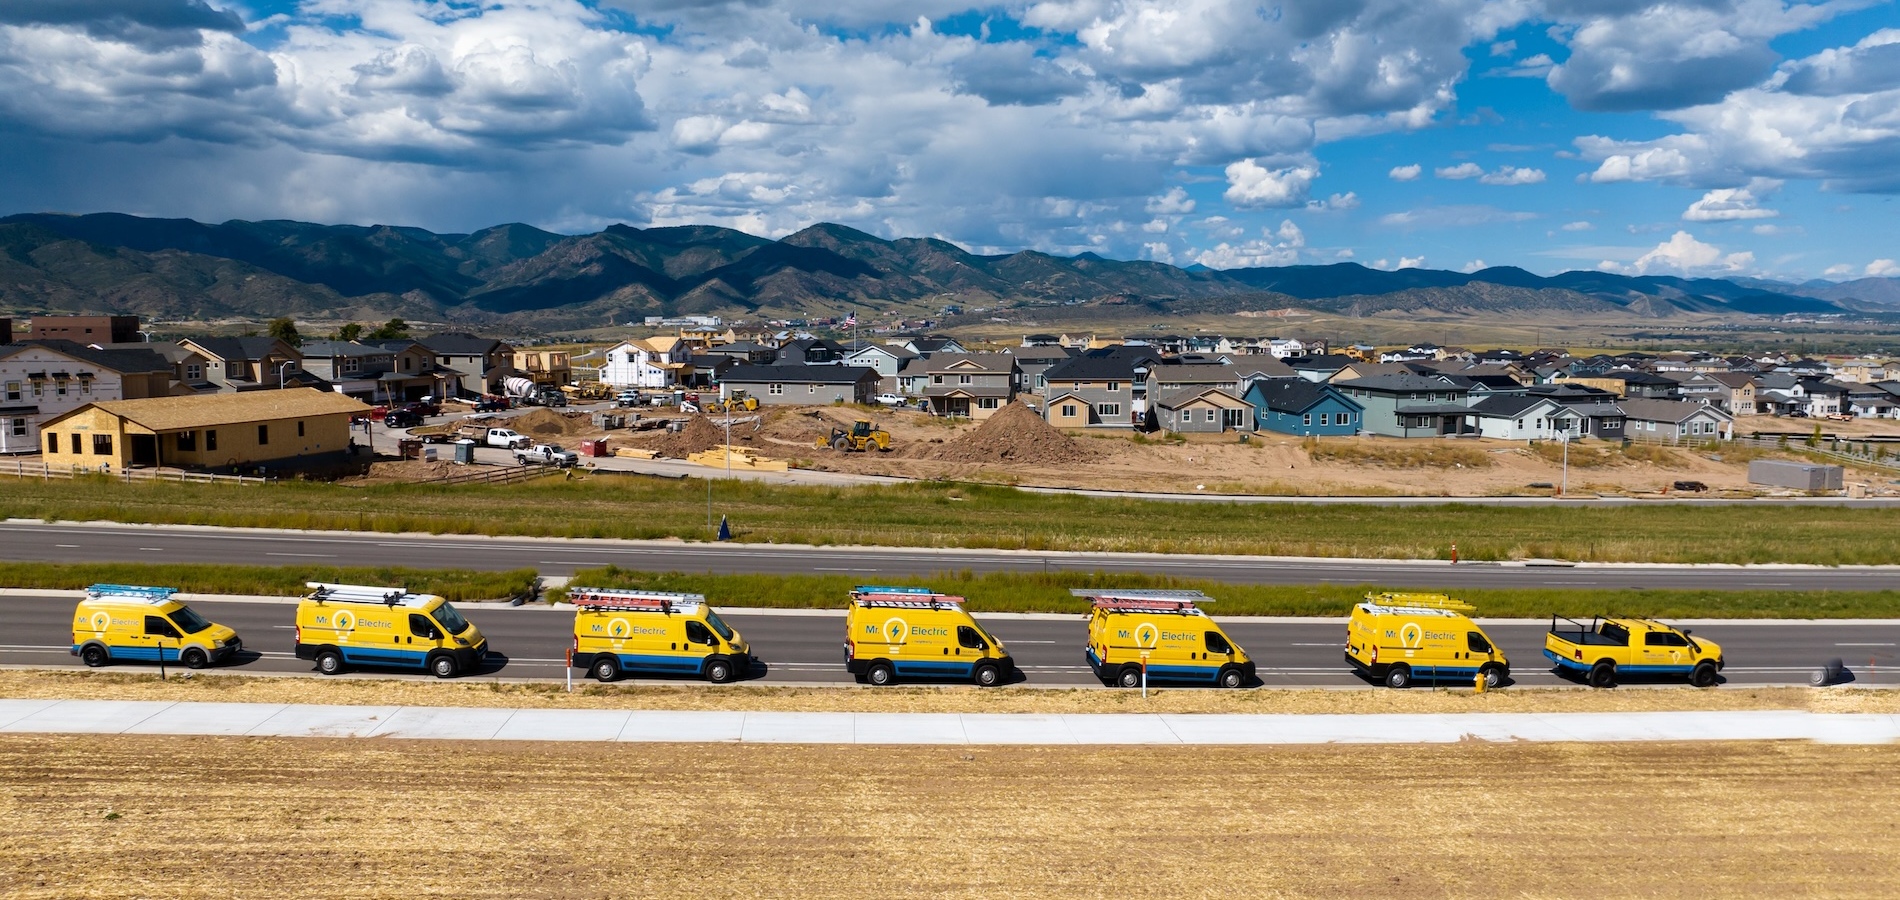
(130, 592)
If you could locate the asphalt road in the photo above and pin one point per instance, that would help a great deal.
(805, 648)
(41, 542)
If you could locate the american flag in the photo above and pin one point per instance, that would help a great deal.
(851, 321)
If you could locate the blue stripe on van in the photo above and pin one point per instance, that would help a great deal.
(631, 662)
(384, 656)
(139, 654)
(920, 667)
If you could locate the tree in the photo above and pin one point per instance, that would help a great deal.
(285, 329)
(349, 332)
(392, 330)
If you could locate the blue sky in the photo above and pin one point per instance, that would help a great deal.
(1723, 137)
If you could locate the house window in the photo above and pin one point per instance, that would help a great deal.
(351, 365)
(19, 428)
(963, 379)
(102, 445)
(39, 388)
(211, 441)
(936, 379)
(1108, 409)
(1306, 419)
(300, 428)
(85, 385)
(987, 403)
(188, 442)
(13, 390)
(1068, 410)
(60, 388)
(194, 372)
(1210, 417)
(1041, 383)
(263, 435)
(811, 388)
(775, 389)
(1325, 419)
(1114, 386)
(76, 450)
(1520, 423)
(52, 442)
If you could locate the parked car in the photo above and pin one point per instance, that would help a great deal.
(1696, 486)
(891, 399)
(547, 455)
(424, 407)
(402, 418)
(553, 399)
(491, 404)
(508, 438)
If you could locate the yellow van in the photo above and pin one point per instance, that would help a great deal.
(911, 632)
(342, 625)
(620, 632)
(1402, 638)
(126, 622)
(1163, 631)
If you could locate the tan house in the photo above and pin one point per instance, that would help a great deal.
(1202, 410)
(1740, 394)
(278, 429)
(545, 367)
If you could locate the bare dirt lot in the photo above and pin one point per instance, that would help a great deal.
(28, 684)
(126, 816)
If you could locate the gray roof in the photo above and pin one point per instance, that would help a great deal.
(1394, 384)
(797, 374)
(457, 343)
(1666, 410)
(121, 361)
(321, 349)
(1177, 399)
(1194, 374)
(1509, 406)
(245, 348)
(1119, 367)
(987, 362)
(1295, 395)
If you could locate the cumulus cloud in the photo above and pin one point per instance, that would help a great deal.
(1683, 254)
(1882, 268)
(1253, 186)
(1577, 226)
(1838, 270)
(1405, 173)
(1335, 203)
(1512, 175)
(1731, 204)
(1175, 202)
(1460, 171)
(1473, 266)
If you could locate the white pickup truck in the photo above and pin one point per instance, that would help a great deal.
(506, 438)
(547, 455)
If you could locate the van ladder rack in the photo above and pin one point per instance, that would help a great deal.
(619, 598)
(1419, 601)
(131, 592)
(1142, 600)
(357, 593)
(901, 597)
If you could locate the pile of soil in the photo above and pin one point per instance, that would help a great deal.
(548, 423)
(1015, 434)
(699, 435)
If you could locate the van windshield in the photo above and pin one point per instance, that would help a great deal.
(719, 625)
(451, 620)
(187, 621)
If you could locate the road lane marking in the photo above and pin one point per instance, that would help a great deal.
(824, 569)
(67, 546)
(1327, 644)
(317, 555)
(152, 549)
(1864, 645)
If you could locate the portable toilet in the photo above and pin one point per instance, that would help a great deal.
(465, 452)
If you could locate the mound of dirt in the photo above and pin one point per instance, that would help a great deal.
(548, 423)
(1015, 434)
(699, 435)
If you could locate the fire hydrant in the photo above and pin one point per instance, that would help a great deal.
(1478, 682)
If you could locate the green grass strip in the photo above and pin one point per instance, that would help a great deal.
(1044, 593)
(281, 581)
(954, 515)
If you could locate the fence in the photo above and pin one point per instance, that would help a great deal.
(1869, 455)
(22, 469)
(492, 475)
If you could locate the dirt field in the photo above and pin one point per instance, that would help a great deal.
(197, 817)
(27, 684)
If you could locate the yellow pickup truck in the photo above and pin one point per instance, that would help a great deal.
(1609, 646)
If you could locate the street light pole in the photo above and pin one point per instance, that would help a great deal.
(280, 372)
(1564, 439)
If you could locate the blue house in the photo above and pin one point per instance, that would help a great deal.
(1298, 406)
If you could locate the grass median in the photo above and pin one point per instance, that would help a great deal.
(1049, 592)
(277, 581)
(105, 816)
(953, 515)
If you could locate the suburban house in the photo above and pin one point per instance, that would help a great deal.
(188, 365)
(887, 359)
(1675, 421)
(82, 329)
(275, 429)
(1102, 388)
(547, 368)
(374, 373)
(1412, 405)
(1523, 417)
(237, 364)
(1032, 361)
(1875, 401)
(1826, 397)
(928, 344)
(1203, 409)
(1861, 371)
(1302, 407)
(43, 380)
(655, 362)
(810, 352)
(1740, 400)
(1320, 368)
(474, 365)
(968, 384)
(1779, 393)
(792, 385)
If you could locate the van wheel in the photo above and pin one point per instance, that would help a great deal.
(443, 666)
(1130, 677)
(195, 659)
(94, 656)
(329, 662)
(604, 670)
(1398, 677)
(1603, 675)
(1231, 678)
(1493, 677)
(719, 671)
(1703, 675)
(987, 675)
(880, 674)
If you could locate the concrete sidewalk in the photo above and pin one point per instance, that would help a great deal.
(487, 724)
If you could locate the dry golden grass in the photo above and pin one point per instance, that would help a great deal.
(26, 684)
(127, 816)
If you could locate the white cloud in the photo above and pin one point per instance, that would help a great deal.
(1405, 173)
(1512, 175)
(1289, 234)
(1473, 266)
(1882, 268)
(1683, 254)
(1335, 203)
(1155, 226)
(1460, 171)
(1345, 253)
(1732, 204)
(1247, 255)
(1411, 262)
(1503, 48)
(1158, 251)
(1252, 186)
(1578, 226)
(1173, 203)
(1452, 217)
(1838, 270)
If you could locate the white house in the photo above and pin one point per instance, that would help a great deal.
(40, 381)
(1517, 417)
(655, 362)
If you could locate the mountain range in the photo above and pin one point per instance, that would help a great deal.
(522, 276)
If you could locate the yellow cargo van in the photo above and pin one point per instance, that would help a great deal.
(619, 632)
(341, 625)
(912, 632)
(1163, 631)
(126, 622)
(1402, 638)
